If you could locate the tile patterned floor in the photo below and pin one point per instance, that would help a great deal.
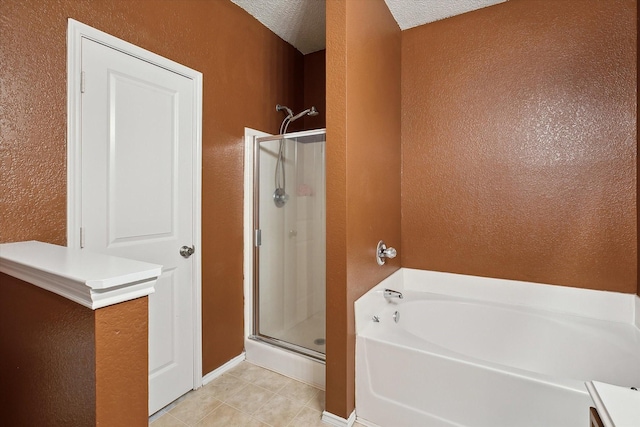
(246, 396)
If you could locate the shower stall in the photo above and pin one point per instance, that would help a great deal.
(289, 227)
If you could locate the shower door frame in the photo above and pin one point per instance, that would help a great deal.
(255, 300)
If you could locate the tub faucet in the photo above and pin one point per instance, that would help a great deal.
(390, 293)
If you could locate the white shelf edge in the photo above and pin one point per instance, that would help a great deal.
(108, 281)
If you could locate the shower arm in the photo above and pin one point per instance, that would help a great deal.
(291, 118)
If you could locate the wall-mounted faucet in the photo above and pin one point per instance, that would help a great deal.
(382, 252)
(390, 294)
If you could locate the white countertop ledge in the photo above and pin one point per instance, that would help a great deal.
(88, 278)
(617, 406)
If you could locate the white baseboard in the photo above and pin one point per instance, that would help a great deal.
(334, 420)
(222, 369)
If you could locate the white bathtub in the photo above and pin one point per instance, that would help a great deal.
(471, 351)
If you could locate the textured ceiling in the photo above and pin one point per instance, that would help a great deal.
(411, 13)
(301, 23)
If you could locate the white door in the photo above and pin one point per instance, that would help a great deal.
(137, 142)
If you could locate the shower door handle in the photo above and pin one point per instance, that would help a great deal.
(187, 251)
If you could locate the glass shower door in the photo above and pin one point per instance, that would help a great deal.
(289, 249)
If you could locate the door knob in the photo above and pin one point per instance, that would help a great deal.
(187, 251)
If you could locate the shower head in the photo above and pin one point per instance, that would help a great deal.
(280, 196)
(309, 112)
(291, 118)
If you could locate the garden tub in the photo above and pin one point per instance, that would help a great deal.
(468, 351)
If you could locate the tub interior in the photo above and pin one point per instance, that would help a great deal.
(558, 345)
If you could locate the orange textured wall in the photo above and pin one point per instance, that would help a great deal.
(363, 172)
(122, 369)
(338, 396)
(47, 358)
(247, 71)
(67, 365)
(315, 88)
(519, 143)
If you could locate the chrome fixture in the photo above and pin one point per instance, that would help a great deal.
(383, 252)
(389, 294)
(291, 118)
(396, 316)
(376, 319)
(280, 197)
(187, 251)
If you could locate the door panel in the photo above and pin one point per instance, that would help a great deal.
(137, 194)
(290, 259)
(141, 204)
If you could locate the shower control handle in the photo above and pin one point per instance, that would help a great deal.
(187, 251)
(390, 253)
(383, 253)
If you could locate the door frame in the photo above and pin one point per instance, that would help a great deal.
(76, 31)
(248, 226)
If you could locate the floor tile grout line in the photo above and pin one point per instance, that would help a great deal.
(263, 422)
(251, 414)
(265, 370)
(265, 404)
(194, 394)
(295, 416)
(284, 397)
(236, 378)
(246, 383)
(208, 413)
(272, 393)
(261, 406)
(176, 418)
(242, 412)
(306, 402)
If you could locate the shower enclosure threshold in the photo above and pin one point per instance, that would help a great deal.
(287, 346)
(290, 362)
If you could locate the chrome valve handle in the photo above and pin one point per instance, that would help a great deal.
(382, 252)
(390, 253)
